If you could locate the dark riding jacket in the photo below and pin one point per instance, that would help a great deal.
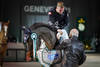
(58, 20)
(74, 53)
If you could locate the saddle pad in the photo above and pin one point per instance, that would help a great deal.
(51, 56)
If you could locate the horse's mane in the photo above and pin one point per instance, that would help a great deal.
(47, 32)
(40, 24)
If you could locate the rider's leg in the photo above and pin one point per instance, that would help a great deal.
(65, 34)
(62, 35)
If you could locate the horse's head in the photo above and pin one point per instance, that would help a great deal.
(3, 31)
(5, 27)
(27, 33)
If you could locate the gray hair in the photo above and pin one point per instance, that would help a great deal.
(74, 32)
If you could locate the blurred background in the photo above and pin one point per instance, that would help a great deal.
(83, 15)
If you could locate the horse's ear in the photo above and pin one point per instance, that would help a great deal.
(8, 21)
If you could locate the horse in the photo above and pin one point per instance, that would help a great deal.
(3, 40)
(43, 31)
(47, 43)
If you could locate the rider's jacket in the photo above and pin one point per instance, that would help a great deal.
(58, 20)
(73, 51)
(77, 54)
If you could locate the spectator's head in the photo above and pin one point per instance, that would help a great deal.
(60, 7)
(74, 32)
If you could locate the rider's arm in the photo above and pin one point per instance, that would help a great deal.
(52, 17)
(64, 45)
(66, 18)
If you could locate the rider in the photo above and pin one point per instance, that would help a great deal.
(74, 54)
(58, 18)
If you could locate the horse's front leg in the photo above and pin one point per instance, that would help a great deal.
(2, 54)
(1, 60)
